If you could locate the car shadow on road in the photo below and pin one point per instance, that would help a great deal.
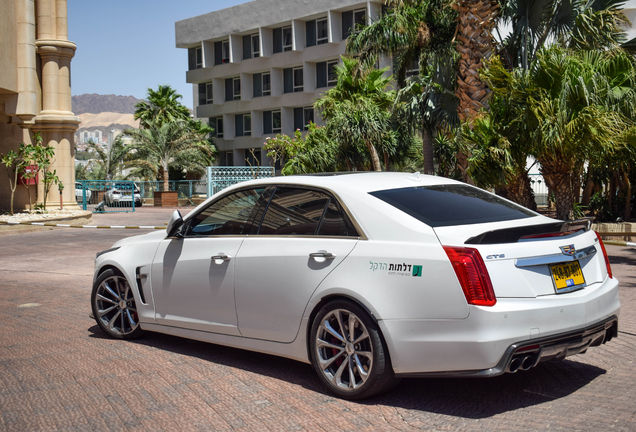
(463, 397)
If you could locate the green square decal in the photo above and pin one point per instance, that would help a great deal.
(417, 271)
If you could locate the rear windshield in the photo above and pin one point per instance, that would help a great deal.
(450, 205)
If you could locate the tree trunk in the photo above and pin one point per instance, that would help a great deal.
(589, 188)
(477, 18)
(560, 184)
(427, 152)
(627, 190)
(519, 190)
(374, 157)
(166, 184)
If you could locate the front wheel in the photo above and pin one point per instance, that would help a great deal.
(114, 306)
(348, 353)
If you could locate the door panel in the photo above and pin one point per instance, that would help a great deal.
(275, 278)
(192, 290)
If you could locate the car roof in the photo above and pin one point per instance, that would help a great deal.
(361, 181)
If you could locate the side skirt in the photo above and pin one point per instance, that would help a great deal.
(296, 350)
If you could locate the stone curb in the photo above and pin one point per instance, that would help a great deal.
(86, 217)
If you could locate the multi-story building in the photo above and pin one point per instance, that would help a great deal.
(257, 68)
(91, 136)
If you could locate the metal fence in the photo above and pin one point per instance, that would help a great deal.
(540, 189)
(221, 177)
(102, 196)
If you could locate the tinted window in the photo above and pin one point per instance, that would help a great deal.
(335, 223)
(294, 212)
(230, 215)
(449, 205)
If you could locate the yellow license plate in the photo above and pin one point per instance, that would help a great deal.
(567, 275)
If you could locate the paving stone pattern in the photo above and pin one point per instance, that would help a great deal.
(58, 371)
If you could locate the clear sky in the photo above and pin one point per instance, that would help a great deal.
(124, 47)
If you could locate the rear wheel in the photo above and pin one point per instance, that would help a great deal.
(114, 306)
(348, 353)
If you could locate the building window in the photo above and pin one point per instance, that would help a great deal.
(287, 38)
(351, 19)
(216, 123)
(262, 83)
(195, 58)
(282, 39)
(226, 158)
(326, 74)
(251, 46)
(205, 93)
(243, 125)
(271, 122)
(232, 89)
(221, 52)
(316, 32)
(293, 79)
(253, 157)
(302, 118)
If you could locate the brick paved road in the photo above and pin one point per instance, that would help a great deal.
(59, 372)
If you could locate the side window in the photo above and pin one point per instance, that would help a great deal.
(230, 215)
(294, 212)
(335, 222)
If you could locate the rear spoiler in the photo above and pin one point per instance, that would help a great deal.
(513, 235)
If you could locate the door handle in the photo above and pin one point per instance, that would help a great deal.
(221, 256)
(322, 254)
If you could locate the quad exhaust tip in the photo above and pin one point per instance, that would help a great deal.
(521, 363)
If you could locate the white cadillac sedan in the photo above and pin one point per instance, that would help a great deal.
(367, 276)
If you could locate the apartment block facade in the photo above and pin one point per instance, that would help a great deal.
(257, 68)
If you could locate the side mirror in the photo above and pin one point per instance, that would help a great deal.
(174, 223)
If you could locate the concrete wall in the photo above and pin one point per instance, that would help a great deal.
(250, 16)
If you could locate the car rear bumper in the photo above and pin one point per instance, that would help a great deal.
(485, 343)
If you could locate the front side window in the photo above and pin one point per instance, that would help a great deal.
(451, 205)
(230, 215)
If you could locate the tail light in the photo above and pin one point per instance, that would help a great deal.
(472, 274)
(607, 263)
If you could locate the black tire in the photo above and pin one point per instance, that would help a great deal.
(114, 307)
(351, 369)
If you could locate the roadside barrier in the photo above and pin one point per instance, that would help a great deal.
(50, 224)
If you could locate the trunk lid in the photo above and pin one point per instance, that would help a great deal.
(526, 267)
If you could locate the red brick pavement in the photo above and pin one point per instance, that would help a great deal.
(58, 371)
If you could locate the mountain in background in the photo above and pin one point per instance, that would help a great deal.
(104, 112)
(95, 104)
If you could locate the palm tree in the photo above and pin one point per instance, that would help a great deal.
(575, 108)
(160, 143)
(357, 110)
(162, 106)
(111, 162)
(591, 24)
(411, 32)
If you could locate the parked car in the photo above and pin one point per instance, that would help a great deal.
(121, 194)
(369, 277)
(79, 193)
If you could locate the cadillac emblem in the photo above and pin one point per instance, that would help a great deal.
(568, 250)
